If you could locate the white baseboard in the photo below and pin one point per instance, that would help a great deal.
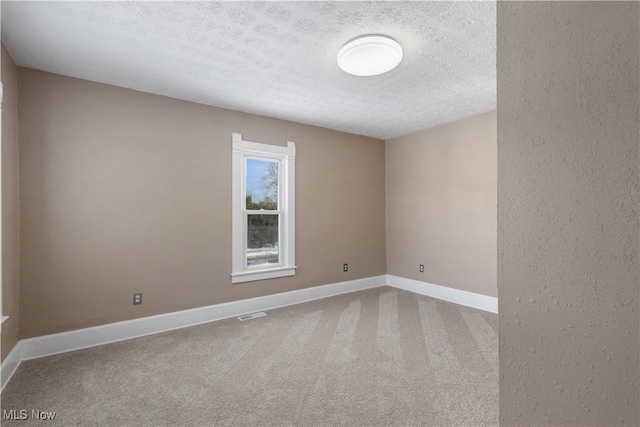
(48, 345)
(10, 365)
(469, 299)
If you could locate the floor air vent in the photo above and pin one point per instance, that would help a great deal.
(252, 316)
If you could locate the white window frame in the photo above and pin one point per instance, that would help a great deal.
(286, 156)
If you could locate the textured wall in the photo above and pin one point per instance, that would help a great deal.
(441, 205)
(10, 205)
(568, 134)
(128, 192)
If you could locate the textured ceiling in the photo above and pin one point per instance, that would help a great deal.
(276, 59)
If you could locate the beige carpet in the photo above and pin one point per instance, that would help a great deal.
(381, 357)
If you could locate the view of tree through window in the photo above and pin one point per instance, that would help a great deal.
(263, 218)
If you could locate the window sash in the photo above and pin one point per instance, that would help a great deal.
(246, 240)
(274, 158)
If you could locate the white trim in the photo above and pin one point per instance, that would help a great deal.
(3, 318)
(272, 273)
(457, 296)
(262, 149)
(286, 156)
(10, 365)
(98, 335)
(289, 219)
(237, 227)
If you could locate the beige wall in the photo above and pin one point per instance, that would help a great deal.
(125, 192)
(568, 134)
(441, 205)
(10, 205)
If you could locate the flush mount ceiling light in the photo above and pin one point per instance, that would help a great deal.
(370, 55)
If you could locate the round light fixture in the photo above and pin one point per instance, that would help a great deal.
(370, 55)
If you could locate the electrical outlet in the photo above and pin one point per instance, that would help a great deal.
(421, 268)
(345, 267)
(137, 298)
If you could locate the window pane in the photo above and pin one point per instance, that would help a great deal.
(262, 240)
(262, 184)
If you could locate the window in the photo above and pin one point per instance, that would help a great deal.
(263, 210)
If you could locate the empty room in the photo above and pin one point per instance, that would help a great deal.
(310, 213)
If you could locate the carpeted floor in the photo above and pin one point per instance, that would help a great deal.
(380, 357)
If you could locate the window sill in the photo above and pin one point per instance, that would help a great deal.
(271, 273)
